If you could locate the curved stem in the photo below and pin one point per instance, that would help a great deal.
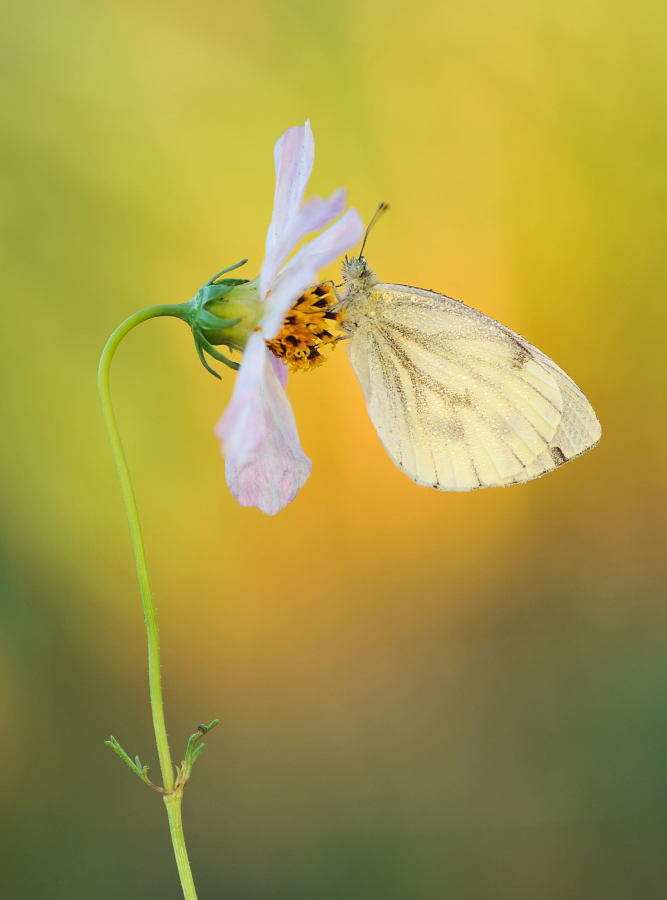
(173, 798)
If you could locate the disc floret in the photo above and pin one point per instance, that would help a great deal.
(310, 326)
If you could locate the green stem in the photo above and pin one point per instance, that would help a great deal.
(173, 804)
(172, 798)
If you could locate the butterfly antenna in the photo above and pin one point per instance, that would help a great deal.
(381, 208)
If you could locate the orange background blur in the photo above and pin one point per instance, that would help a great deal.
(422, 695)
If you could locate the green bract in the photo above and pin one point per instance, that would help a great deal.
(224, 311)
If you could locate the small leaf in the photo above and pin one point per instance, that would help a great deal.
(197, 752)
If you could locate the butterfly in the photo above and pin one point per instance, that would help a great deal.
(458, 400)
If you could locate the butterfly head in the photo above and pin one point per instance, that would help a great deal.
(356, 268)
(358, 278)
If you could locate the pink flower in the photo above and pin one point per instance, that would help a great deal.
(264, 463)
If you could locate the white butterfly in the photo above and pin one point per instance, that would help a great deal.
(458, 400)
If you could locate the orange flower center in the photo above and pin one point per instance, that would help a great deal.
(310, 326)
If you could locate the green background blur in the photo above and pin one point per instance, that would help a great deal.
(421, 695)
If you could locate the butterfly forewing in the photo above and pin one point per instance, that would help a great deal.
(458, 400)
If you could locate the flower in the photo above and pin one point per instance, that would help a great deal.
(264, 463)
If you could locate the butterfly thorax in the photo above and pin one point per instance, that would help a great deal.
(359, 282)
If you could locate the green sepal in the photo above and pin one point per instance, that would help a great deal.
(218, 289)
(233, 282)
(210, 349)
(215, 323)
(213, 291)
(200, 353)
(229, 269)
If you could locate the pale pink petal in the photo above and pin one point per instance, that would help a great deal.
(294, 155)
(265, 465)
(241, 427)
(280, 369)
(315, 214)
(301, 271)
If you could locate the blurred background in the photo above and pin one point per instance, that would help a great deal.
(421, 695)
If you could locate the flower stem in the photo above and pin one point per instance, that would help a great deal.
(173, 804)
(172, 796)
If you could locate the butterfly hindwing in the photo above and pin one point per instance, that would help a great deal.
(578, 429)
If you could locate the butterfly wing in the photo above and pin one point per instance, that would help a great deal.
(578, 429)
(458, 400)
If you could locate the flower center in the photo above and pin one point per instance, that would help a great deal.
(310, 325)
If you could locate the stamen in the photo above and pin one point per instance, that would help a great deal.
(310, 326)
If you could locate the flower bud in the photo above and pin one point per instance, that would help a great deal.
(223, 311)
(230, 311)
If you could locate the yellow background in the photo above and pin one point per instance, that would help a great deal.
(421, 695)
